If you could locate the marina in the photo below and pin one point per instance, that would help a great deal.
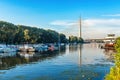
(29, 48)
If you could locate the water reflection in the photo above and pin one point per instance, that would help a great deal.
(78, 49)
(89, 54)
(109, 54)
(75, 62)
(73, 48)
(80, 54)
(8, 60)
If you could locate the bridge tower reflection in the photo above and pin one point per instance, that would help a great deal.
(80, 55)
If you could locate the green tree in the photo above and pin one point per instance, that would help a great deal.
(80, 40)
(117, 44)
(26, 35)
(75, 39)
(17, 34)
(63, 38)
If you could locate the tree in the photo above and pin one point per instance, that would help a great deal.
(117, 44)
(63, 38)
(17, 34)
(80, 40)
(26, 35)
(75, 39)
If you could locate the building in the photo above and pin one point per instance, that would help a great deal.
(110, 38)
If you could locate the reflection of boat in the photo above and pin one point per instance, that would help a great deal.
(26, 58)
(26, 54)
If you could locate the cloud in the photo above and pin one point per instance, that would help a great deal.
(63, 23)
(102, 22)
(112, 15)
(91, 28)
(88, 22)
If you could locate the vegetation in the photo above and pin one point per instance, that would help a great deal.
(115, 70)
(74, 39)
(17, 34)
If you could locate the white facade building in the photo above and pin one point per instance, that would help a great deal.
(110, 38)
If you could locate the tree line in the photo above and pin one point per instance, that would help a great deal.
(18, 34)
(75, 39)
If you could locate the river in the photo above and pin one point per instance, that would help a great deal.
(75, 62)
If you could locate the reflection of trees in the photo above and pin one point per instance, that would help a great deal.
(109, 54)
(62, 50)
(8, 62)
(77, 47)
(12, 61)
(73, 48)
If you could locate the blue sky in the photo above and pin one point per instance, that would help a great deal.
(99, 17)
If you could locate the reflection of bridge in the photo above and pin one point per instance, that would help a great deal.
(99, 40)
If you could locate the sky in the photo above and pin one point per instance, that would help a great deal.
(99, 17)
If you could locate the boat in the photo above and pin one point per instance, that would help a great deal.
(30, 49)
(41, 48)
(51, 47)
(26, 48)
(109, 45)
(7, 49)
(109, 42)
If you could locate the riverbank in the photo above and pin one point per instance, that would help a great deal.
(114, 73)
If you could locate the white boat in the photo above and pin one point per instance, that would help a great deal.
(26, 48)
(7, 49)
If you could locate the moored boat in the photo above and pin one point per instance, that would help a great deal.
(26, 48)
(7, 49)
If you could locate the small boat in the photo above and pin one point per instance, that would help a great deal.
(51, 47)
(30, 49)
(26, 48)
(7, 49)
(38, 49)
(109, 45)
(41, 48)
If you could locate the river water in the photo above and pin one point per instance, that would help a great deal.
(75, 62)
